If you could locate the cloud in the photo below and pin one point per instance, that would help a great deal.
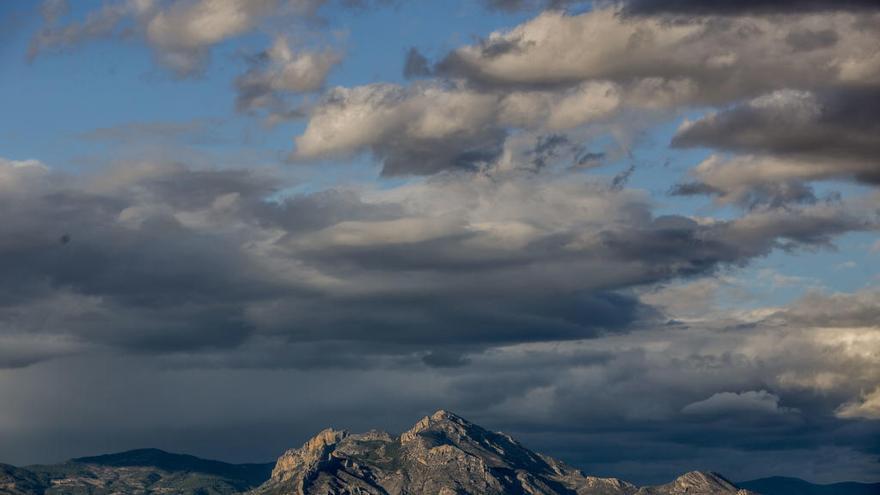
(613, 392)
(433, 126)
(167, 258)
(789, 136)
(501, 278)
(726, 403)
(99, 24)
(415, 64)
(740, 7)
(421, 130)
(861, 309)
(723, 59)
(280, 70)
(868, 407)
(531, 5)
(181, 32)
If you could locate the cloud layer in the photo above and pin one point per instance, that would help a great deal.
(513, 259)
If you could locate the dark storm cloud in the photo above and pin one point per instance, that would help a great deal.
(785, 140)
(219, 310)
(809, 40)
(837, 129)
(689, 396)
(743, 7)
(164, 259)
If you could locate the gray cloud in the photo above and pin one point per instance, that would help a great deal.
(282, 70)
(415, 64)
(725, 403)
(667, 389)
(532, 5)
(181, 32)
(719, 59)
(434, 126)
(740, 7)
(807, 136)
(504, 283)
(164, 259)
(786, 139)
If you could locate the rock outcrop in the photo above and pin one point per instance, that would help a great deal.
(442, 454)
(445, 454)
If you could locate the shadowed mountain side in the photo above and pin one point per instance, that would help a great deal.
(250, 473)
(779, 485)
(134, 472)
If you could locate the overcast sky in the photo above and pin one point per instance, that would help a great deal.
(640, 236)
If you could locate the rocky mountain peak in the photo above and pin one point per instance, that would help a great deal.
(442, 420)
(696, 483)
(447, 454)
(309, 456)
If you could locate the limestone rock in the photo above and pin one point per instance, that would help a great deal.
(448, 455)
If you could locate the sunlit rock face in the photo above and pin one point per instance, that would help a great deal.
(446, 454)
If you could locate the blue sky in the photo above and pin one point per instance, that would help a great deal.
(430, 235)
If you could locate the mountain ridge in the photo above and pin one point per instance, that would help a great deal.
(784, 485)
(446, 454)
(442, 454)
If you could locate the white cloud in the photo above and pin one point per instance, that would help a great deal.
(739, 56)
(867, 407)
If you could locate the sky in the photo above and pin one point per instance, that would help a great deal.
(639, 236)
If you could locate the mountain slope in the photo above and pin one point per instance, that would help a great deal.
(18, 481)
(447, 455)
(134, 472)
(778, 485)
(442, 454)
(249, 474)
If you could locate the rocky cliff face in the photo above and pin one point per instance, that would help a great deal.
(445, 454)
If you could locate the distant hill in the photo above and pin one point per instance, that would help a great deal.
(778, 485)
(442, 454)
(252, 474)
(134, 472)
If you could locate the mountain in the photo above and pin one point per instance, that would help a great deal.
(134, 472)
(779, 485)
(445, 454)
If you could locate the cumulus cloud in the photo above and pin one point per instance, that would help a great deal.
(503, 280)
(193, 260)
(724, 59)
(528, 5)
(789, 136)
(867, 407)
(280, 70)
(433, 126)
(181, 32)
(861, 309)
(739, 7)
